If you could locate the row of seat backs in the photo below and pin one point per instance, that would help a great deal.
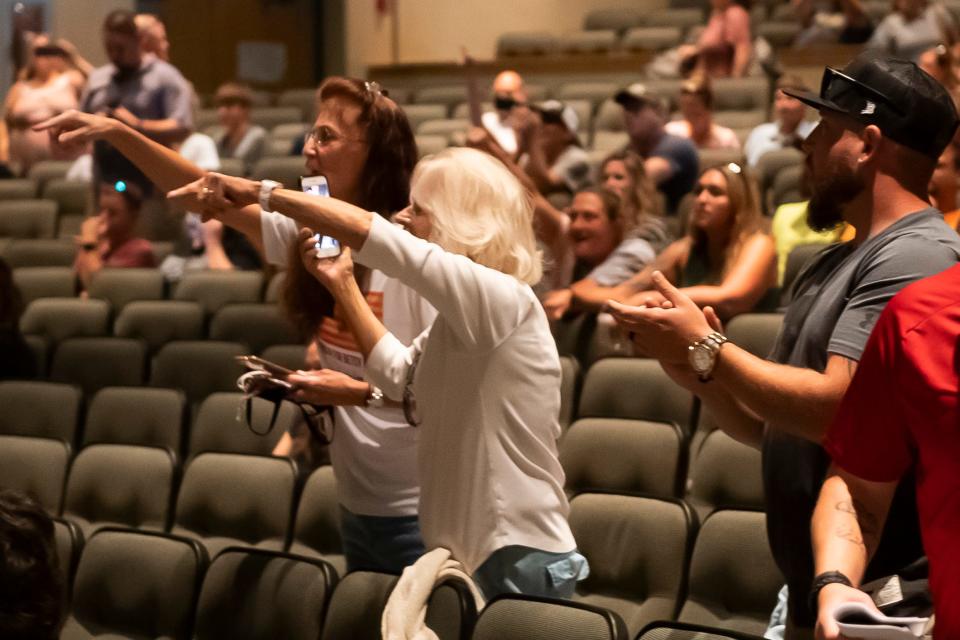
(220, 499)
(732, 583)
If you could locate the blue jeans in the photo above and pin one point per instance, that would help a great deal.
(518, 569)
(380, 543)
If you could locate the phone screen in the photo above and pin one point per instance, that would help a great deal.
(316, 187)
(326, 246)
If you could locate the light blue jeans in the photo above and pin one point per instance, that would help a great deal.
(518, 569)
(380, 543)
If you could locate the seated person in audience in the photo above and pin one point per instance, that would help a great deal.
(153, 35)
(670, 161)
(109, 239)
(696, 103)
(940, 62)
(724, 48)
(913, 27)
(787, 130)
(790, 229)
(552, 155)
(602, 253)
(240, 138)
(726, 261)
(486, 389)
(509, 98)
(623, 173)
(833, 21)
(16, 358)
(31, 590)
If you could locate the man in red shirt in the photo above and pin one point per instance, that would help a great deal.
(109, 239)
(899, 413)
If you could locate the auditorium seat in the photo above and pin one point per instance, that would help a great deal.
(232, 499)
(254, 325)
(316, 528)
(69, 540)
(219, 427)
(751, 93)
(292, 130)
(18, 189)
(262, 595)
(462, 110)
(634, 389)
(740, 119)
(35, 466)
(199, 368)
(609, 141)
(779, 34)
(797, 259)
(609, 116)
(232, 167)
(40, 409)
(303, 99)
(734, 580)
(619, 19)
(595, 41)
(594, 92)
(137, 416)
(526, 43)
(278, 146)
(447, 95)
(159, 322)
(73, 197)
(274, 287)
(120, 485)
(39, 253)
(431, 144)
(95, 363)
(755, 332)
(49, 170)
(637, 549)
(269, 117)
(569, 389)
(357, 606)
(787, 187)
(286, 170)
(443, 127)
(28, 219)
(519, 617)
(44, 282)
(622, 456)
(451, 610)
(41, 353)
(418, 113)
(215, 289)
(135, 584)
(291, 356)
(58, 319)
(672, 17)
(120, 287)
(769, 166)
(651, 38)
(664, 630)
(723, 473)
(710, 158)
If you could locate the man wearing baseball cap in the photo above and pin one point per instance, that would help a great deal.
(553, 157)
(670, 161)
(883, 125)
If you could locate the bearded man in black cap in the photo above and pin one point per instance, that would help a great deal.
(883, 125)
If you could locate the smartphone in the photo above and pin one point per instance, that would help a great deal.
(259, 364)
(326, 246)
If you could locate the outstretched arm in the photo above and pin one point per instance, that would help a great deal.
(165, 167)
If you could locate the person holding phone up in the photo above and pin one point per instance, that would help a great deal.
(485, 375)
(362, 143)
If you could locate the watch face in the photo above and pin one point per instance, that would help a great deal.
(701, 359)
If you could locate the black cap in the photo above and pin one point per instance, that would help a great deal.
(635, 96)
(909, 106)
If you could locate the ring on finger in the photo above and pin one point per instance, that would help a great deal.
(207, 191)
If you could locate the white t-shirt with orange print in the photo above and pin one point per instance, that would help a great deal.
(374, 451)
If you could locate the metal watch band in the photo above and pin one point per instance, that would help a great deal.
(266, 188)
(712, 342)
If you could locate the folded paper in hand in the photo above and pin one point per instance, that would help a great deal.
(856, 620)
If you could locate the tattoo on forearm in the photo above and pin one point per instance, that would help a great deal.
(865, 531)
(851, 368)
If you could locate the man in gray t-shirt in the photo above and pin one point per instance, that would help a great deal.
(142, 91)
(883, 125)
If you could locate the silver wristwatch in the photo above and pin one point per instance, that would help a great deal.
(374, 398)
(266, 188)
(703, 354)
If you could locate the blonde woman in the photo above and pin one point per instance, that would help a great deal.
(727, 260)
(485, 375)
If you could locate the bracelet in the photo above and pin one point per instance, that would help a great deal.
(822, 580)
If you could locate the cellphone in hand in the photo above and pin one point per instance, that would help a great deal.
(326, 246)
(255, 363)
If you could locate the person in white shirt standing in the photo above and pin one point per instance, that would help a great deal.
(483, 381)
(509, 96)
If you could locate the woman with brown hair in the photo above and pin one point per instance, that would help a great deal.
(362, 143)
(727, 260)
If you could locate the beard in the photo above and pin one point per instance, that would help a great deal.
(830, 196)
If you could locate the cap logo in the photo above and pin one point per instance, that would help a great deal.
(869, 109)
